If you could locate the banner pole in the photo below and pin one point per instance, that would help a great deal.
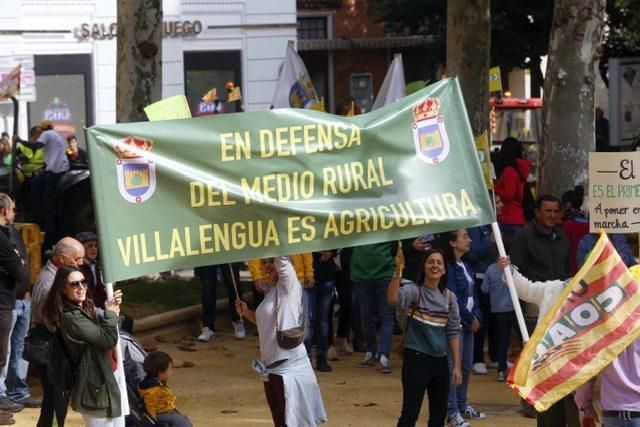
(233, 280)
(512, 287)
(122, 382)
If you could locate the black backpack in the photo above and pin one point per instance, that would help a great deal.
(528, 202)
(60, 368)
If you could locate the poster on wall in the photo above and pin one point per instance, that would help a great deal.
(624, 101)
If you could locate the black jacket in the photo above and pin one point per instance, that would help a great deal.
(540, 256)
(14, 270)
(22, 287)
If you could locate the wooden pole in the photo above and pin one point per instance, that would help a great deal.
(122, 382)
(512, 288)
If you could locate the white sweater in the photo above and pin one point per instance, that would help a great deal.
(543, 294)
(289, 316)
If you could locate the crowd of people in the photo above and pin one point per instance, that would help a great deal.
(445, 293)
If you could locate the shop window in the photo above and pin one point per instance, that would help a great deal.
(204, 71)
(361, 90)
(312, 28)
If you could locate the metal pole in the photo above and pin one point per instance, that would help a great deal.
(512, 288)
(14, 145)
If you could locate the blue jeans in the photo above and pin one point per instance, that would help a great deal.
(504, 322)
(458, 396)
(372, 300)
(174, 419)
(209, 279)
(13, 378)
(318, 300)
(617, 422)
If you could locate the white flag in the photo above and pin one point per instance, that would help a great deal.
(393, 85)
(294, 89)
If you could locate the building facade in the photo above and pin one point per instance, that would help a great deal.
(205, 45)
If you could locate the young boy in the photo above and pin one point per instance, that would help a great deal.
(158, 397)
(502, 314)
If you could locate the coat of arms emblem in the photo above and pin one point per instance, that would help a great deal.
(136, 169)
(301, 92)
(429, 134)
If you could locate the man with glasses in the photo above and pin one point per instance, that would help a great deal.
(68, 251)
(13, 273)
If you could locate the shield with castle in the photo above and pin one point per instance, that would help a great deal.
(136, 169)
(429, 134)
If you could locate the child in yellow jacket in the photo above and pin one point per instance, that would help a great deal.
(159, 400)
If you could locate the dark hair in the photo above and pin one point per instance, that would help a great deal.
(56, 302)
(442, 285)
(510, 150)
(546, 198)
(443, 243)
(70, 137)
(156, 362)
(5, 134)
(34, 129)
(575, 197)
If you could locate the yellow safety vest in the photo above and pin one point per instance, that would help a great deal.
(36, 159)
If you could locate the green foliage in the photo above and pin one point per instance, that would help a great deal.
(519, 29)
(622, 32)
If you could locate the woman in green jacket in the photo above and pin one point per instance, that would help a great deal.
(90, 337)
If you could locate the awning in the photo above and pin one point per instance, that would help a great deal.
(363, 43)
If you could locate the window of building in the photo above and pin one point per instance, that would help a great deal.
(312, 28)
(204, 71)
(361, 90)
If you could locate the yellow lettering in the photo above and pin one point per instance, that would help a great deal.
(226, 146)
(159, 255)
(176, 244)
(272, 234)
(331, 227)
(467, 205)
(451, 204)
(292, 229)
(196, 189)
(238, 234)
(187, 240)
(293, 139)
(143, 246)
(329, 181)
(205, 238)
(125, 250)
(307, 224)
(267, 148)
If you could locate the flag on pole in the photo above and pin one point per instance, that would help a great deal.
(234, 95)
(294, 89)
(594, 319)
(393, 87)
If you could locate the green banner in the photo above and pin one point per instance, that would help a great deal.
(182, 193)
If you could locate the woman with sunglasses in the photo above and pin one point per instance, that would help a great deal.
(90, 336)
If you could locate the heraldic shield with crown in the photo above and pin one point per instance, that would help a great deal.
(429, 134)
(301, 92)
(136, 169)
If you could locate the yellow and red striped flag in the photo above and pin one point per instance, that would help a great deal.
(594, 319)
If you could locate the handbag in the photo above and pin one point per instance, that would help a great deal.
(37, 344)
(292, 337)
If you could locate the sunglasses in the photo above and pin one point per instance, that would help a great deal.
(76, 283)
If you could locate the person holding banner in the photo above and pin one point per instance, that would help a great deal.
(433, 323)
(290, 384)
(461, 281)
(90, 338)
(544, 294)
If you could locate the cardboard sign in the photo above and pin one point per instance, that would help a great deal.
(614, 190)
(172, 108)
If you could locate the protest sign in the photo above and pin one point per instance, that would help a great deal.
(614, 192)
(593, 320)
(172, 108)
(210, 190)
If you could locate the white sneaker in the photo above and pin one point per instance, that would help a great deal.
(479, 369)
(457, 421)
(472, 413)
(509, 365)
(368, 361)
(492, 365)
(384, 364)
(238, 329)
(346, 346)
(332, 354)
(206, 335)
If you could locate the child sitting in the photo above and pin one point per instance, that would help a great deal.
(158, 397)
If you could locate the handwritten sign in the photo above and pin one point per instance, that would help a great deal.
(614, 183)
(172, 108)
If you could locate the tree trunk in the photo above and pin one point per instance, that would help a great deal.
(568, 129)
(468, 55)
(139, 66)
